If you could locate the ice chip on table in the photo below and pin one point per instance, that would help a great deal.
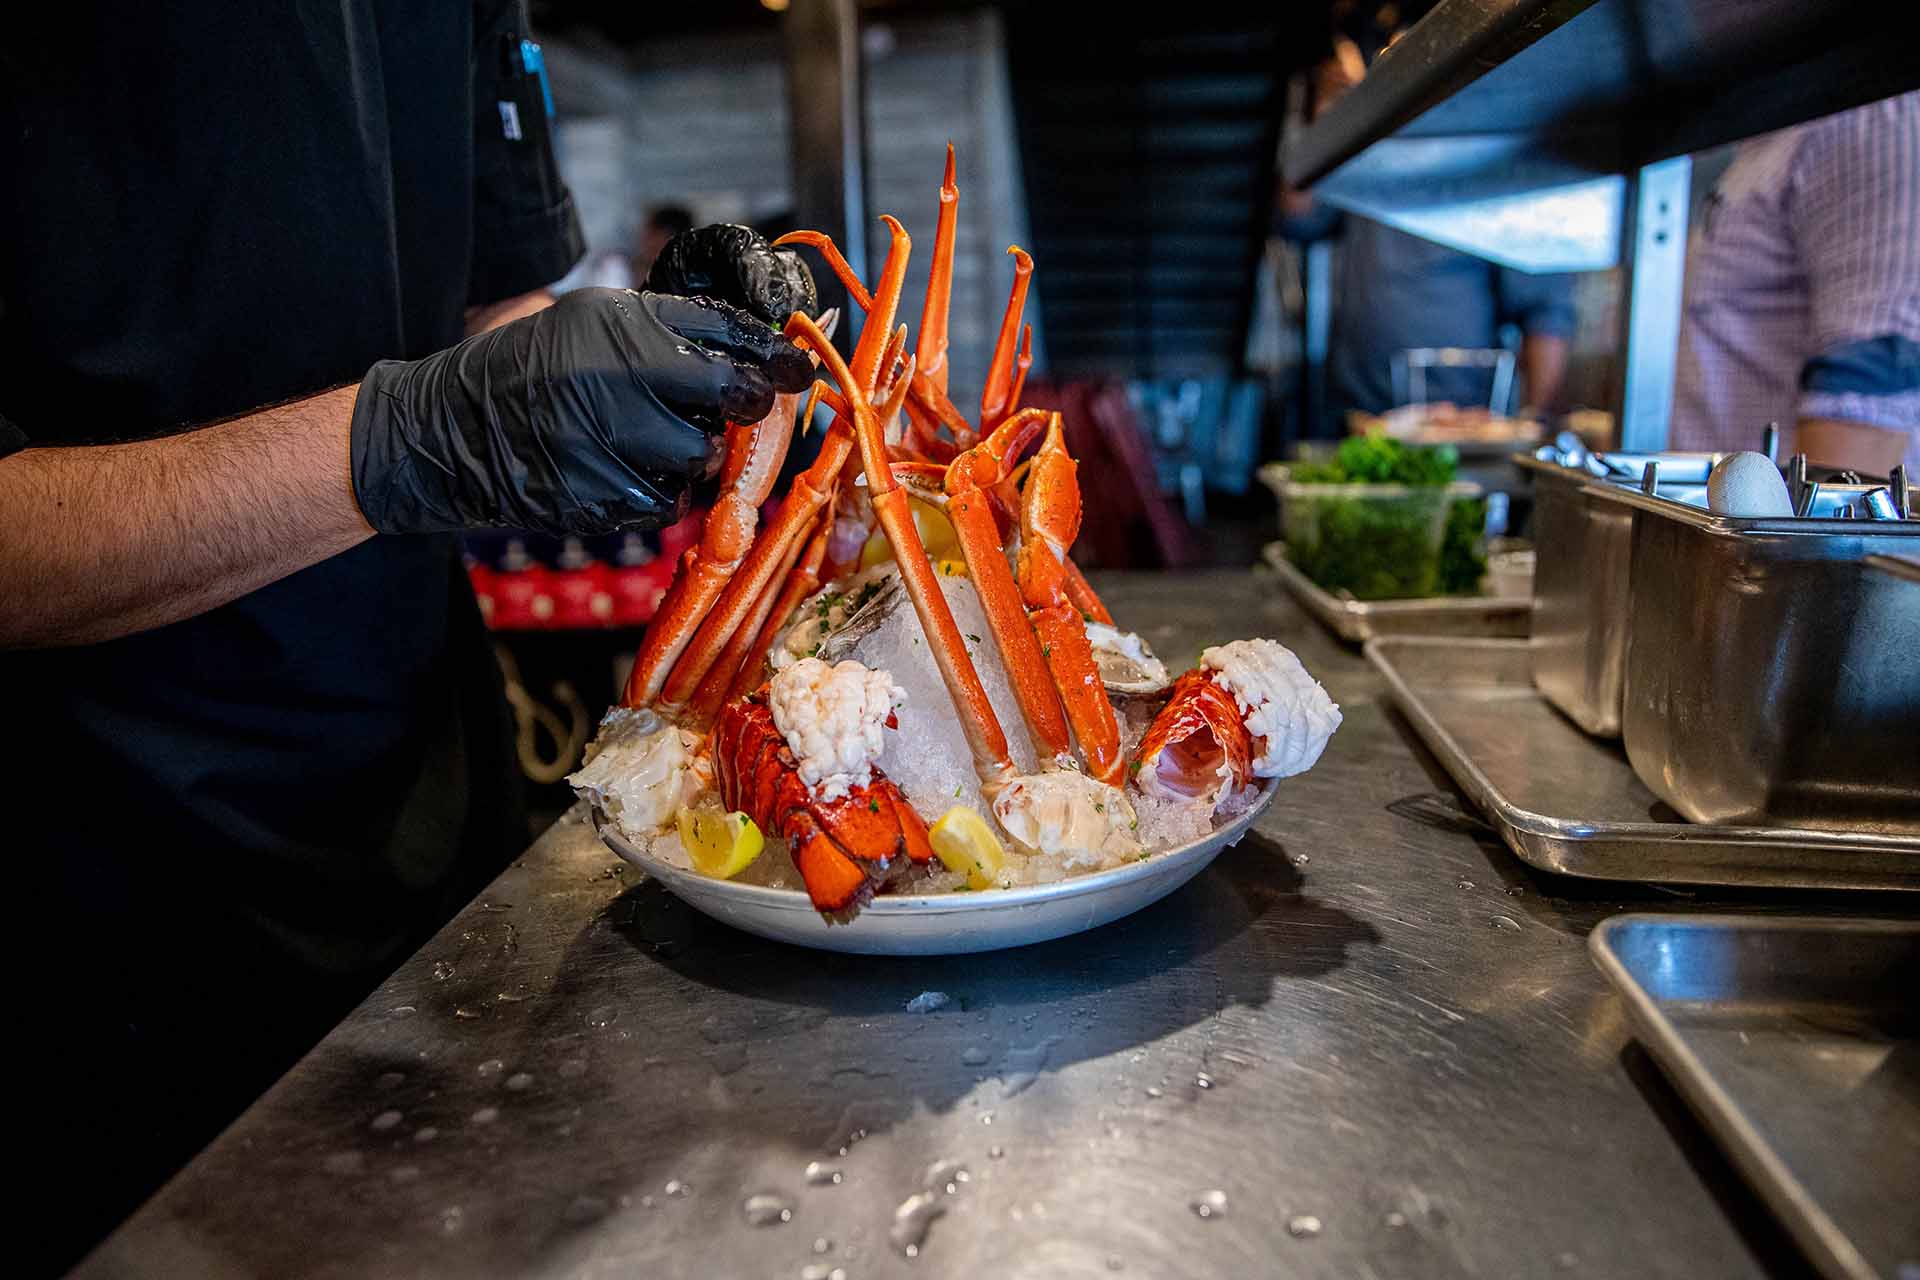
(1287, 713)
(639, 771)
(831, 718)
(927, 754)
(1066, 812)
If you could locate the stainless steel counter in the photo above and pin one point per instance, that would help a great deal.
(1368, 1032)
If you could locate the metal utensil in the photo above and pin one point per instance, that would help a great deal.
(1770, 442)
(1809, 493)
(1650, 478)
(1897, 487)
(1877, 504)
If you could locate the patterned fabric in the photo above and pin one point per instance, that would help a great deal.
(1809, 255)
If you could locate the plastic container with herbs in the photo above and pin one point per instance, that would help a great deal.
(1382, 520)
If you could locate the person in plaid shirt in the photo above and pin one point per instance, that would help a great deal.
(1803, 294)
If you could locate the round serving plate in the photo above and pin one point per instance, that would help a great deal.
(944, 924)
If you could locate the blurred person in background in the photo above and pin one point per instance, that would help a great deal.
(1395, 292)
(618, 269)
(1803, 294)
(273, 330)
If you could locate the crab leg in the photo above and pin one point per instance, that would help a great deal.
(969, 482)
(754, 454)
(1049, 521)
(802, 581)
(1080, 591)
(995, 399)
(932, 347)
(986, 740)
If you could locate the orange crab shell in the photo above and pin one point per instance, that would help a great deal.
(1195, 734)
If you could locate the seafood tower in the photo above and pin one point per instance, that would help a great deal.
(900, 681)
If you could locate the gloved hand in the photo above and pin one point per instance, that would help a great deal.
(736, 264)
(587, 417)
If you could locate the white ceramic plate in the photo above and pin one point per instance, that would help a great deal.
(944, 924)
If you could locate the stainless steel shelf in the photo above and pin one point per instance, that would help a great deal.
(1496, 97)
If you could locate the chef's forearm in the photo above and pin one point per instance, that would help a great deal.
(1853, 446)
(102, 541)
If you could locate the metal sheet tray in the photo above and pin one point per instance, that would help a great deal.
(1361, 620)
(1797, 1041)
(1570, 804)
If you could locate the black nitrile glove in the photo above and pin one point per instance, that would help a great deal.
(736, 264)
(590, 416)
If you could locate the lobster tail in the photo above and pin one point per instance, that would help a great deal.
(844, 848)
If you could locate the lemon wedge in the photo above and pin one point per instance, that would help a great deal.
(964, 842)
(722, 845)
(950, 568)
(937, 539)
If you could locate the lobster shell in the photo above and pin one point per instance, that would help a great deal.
(844, 848)
(1197, 733)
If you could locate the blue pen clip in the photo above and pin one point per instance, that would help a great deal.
(537, 66)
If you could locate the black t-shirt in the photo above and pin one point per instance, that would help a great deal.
(211, 207)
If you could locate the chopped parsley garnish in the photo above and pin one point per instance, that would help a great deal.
(973, 637)
(873, 805)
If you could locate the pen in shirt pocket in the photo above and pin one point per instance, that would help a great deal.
(523, 61)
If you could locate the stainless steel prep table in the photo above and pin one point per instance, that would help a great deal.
(1370, 1028)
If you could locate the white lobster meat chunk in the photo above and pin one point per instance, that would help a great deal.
(831, 717)
(1288, 715)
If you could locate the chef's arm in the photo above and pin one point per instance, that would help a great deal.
(106, 540)
(1851, 446)
(494, 314)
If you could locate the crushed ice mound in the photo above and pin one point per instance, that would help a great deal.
(927, 755)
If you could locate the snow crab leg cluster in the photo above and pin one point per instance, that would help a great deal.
(795, 752)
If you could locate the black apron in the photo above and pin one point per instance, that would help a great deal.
(230, 828)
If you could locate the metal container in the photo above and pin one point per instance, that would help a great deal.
(1580, 580)
(1503, 614)
(1795, 1040)
(1772, 674)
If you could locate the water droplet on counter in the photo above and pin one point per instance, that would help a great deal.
(945, 1174)
(822, 1245)
(345, 1162)
(604, 1016)
(491, 1067)
(1507, 923)
(986, 1117)
(1203, 1081)
(519, 1081)
(485, 1115)
(912, 1220)
(1464, 884)
(425, 1133)
(451, 1218)
(1300, 859)
(1302, 1226)
(402, 1011)
(929, 1002)
(767, 1210)
(815, 1271)
(442, 970)
(975, 1056)
(389, 1080)
(675, 1187)
(469, 1012)
(386, 1120)
(995, 1152)
(1210, 1204)
(1396, 1219)
(1153, 1091)
(511, 997)
(820, 1175)
(496, 906)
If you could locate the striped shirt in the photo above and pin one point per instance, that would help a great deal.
(1803, 283)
